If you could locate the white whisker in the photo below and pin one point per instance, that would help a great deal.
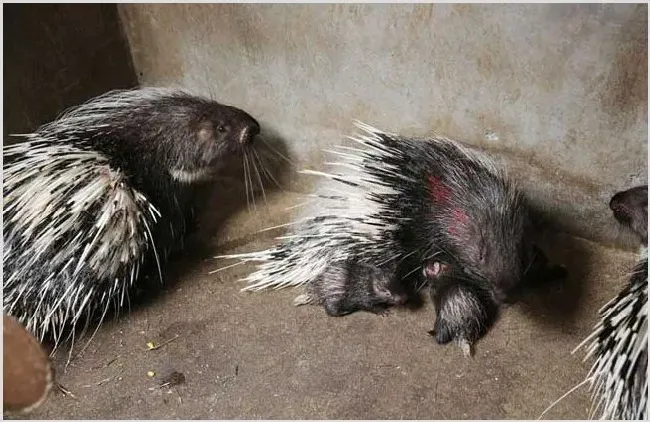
(276, 151)
(226, 267)
(259, 179)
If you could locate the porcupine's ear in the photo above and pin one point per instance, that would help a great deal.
(205, 131)
(432, 269)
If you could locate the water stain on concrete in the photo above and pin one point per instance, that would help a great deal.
(626, 95)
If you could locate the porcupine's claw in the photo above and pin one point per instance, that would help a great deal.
(303, 299)
(466, 347)
(464, 344)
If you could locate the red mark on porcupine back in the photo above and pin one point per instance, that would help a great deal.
(439, 192)
(459, 220)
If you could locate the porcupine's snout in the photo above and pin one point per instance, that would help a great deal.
(249, 131)
(630, 208)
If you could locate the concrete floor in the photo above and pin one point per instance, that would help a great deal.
(253, 355)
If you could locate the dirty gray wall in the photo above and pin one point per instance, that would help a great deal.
(57, 56)
(559, 91)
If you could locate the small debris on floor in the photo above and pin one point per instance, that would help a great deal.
(65, 391)
(107, 364)
(151, 374)
(175, 378)
(153, 346)
(102, 382)
(111, 361)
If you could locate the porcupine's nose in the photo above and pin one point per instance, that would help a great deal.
(618, 208)
(623, 203)
(249, 132)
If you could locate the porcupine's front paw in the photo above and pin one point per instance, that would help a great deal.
(303, 299)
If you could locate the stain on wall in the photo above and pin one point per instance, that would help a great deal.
(57, 56)
(626, 96)
(558, 87)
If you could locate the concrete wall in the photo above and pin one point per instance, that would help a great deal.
(558, 91)
(57, 56)
(559, 88)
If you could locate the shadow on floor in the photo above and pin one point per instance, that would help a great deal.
(555, 302)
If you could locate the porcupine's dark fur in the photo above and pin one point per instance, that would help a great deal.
(619, 341)
(402, 202)
(630, 208)
(102, 192)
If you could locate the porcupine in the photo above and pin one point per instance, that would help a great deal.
(619, 342)
(104, 193)
(348, 287)
(403, 202)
